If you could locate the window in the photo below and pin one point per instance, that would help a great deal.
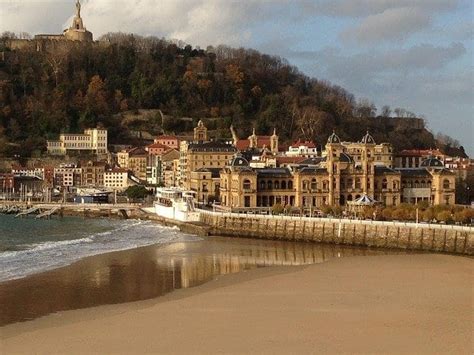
(357, 183)
(305, 184)
(384, 183)
(276, 184)
(446, 184)
(247, 185)
(349, 183)
(283, 185)
(325, 186)
(247, 201)
(290, 185)
(314, 184)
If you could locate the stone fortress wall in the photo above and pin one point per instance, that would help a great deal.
(409, 236)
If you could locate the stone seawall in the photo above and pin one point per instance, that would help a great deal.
(411, 236)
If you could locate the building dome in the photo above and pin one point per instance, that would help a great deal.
(432, 162)
(368, 139)
(239, 161)
(333, 138)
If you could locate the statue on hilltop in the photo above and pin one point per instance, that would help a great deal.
(78, 8)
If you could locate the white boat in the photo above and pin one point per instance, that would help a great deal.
(176, 204)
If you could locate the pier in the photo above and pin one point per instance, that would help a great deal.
(47, 210)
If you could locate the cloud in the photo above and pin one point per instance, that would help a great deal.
(197, 22)
(33, 16)
(392, 24)
(420, 58)
(363, 8)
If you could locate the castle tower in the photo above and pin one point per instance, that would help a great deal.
(334, 149)
(367, 160)
(77, 31)
(253, 140)
(200, 132)
(274, 142)
(235, 138)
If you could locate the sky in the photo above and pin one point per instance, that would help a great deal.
(414, 54)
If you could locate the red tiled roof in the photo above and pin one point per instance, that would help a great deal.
(262, 141)
(289, 160)
(167, 137)
(137, 151)
(299, 143)
(157, 146)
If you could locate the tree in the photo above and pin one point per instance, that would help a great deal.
(137, 192)
(277, 208)
(386, 111)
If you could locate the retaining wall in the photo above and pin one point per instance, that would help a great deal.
(428, 237)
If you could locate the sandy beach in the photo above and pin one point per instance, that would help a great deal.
(361, 304)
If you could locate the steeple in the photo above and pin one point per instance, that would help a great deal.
(274, 142)
(253, 139)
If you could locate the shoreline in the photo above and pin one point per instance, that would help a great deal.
(387, 303)
(447, 239)
(154, 270)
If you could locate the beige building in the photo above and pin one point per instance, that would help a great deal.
(93, 174)
(383, 153)
(337, 180)
(202, 153)
(116, 179)
(91, 141)
(206, 183)
(67, 176)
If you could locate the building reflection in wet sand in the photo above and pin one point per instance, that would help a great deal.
(153, 271)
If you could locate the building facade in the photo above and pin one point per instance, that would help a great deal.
(336, 180)
(92, 141)
(116, 179)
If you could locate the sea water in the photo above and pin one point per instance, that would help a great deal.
(29, 245)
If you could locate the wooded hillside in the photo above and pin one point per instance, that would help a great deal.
(66, 90)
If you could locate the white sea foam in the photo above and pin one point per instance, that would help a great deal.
(38, 257)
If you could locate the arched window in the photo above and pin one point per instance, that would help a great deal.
(263, 185)
(290, 185)
(384, 183)
(283, 185)
(349, 197)
(395, 185)
(269, 185)
(446, 184)
(247, 184)
(349, 184)
(276, 184)
(314, 184)
(325, 185)
(417, 183)
(305, 184)
(422, 183)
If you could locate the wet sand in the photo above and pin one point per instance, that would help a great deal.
(360, 304)
(152, 271)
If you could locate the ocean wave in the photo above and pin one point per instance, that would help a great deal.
(129, 234)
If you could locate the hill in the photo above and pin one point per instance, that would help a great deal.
(43, 93)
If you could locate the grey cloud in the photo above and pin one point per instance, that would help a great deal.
(423, 57)
(362, 8)
(392, 24)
